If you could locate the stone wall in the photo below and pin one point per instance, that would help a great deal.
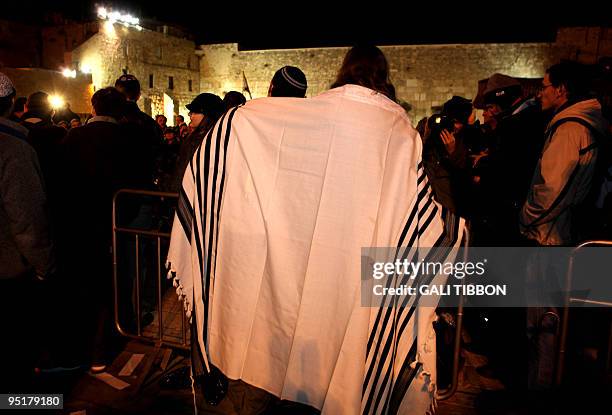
(424, 75)
(143, 53)
(76, 91)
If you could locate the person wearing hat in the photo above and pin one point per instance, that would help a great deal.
(288, 81)
(26, 248)
(515, 142)
(445, 154)
(204, 111)
(500, 94)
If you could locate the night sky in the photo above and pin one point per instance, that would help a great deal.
(304, 24)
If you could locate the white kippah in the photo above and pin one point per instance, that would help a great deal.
(6, 86)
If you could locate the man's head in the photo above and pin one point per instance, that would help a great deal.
(108, 102)
(38, 103)
(161, 120)
(7, 95)
(180, 119)
(459, 110)
(367, 66)
(129, 86)
(566, 81)
(501, 92)
(288, 81)
(203, 106)
(19, 106)
(75, 122)
(490, 113)
(233, 99)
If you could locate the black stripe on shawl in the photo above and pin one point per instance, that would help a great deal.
(448, 240)
(204, 212)
(409, 221)
(184, 212)
(195, 346)
(388, 310)
(407, 374)
(222, 185)
(445, 240)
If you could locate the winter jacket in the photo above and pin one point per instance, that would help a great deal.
(25, 244)
(563, 174)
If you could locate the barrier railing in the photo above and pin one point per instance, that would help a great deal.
(447, 393)
(566, 307)
(158, 235)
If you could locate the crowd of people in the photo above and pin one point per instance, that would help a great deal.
(534, 172)
(58, 182)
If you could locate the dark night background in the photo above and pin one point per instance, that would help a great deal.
(308, 24)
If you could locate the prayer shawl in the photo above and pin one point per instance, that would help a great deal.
(266, 248)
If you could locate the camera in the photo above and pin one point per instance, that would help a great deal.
(439, 122)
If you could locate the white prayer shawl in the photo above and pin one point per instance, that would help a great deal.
(266, 247)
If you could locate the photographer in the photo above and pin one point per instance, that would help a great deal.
(445, 154)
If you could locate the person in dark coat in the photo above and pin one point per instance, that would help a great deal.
(204, 111)
(99, 160)
(45, 138)
(141, 128)
(26, 248)
(517, 140)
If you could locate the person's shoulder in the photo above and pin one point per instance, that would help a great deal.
(12, 146)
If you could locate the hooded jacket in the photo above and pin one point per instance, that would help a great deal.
(562, 178)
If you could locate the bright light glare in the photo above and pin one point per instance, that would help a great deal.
(125, 19)
(56, 101)
(69, 73)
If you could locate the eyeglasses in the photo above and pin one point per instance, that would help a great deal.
(543, 87)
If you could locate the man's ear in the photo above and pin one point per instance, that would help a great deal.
(562, 91)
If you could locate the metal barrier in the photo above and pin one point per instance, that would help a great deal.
(447, 393)
(568, 300)
(138, 233)
(441, 395)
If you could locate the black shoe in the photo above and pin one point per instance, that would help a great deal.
(177, 379)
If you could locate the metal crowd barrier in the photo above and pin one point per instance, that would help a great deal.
(568, 300)
(160, 339)
(447, 393)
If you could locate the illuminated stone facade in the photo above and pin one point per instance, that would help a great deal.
(425, 76)
(167, 66)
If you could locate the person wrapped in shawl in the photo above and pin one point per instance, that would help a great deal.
(266, 248)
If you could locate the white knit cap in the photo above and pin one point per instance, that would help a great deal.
(6, 86)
